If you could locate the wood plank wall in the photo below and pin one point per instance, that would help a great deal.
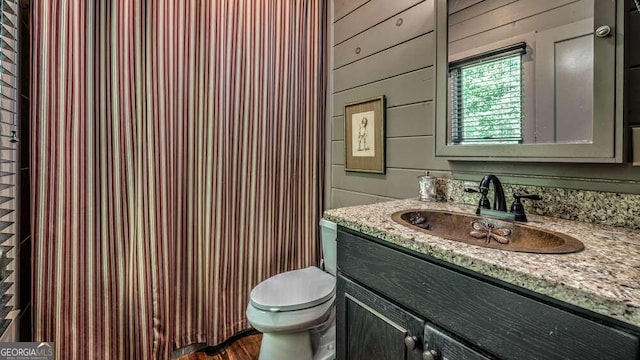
(488, 22)
(396, 59)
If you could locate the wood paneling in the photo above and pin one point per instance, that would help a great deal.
(337, 127)
(342, 8)
(395, 61)
(337, 152)
(457, 5)
(399, 90)
(411, 120)
(565, 14)
(408, 120)
(413, 153)
(481, 8)
(404, 153)
(407, 25)
(366, 16)
(411, 55)
(501, 16)
(397, 183)
(344, 198)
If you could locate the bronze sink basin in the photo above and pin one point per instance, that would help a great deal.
(488, 232)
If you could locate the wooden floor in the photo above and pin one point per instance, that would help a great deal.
(245, 348)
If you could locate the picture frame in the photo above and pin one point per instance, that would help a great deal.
(364, 135)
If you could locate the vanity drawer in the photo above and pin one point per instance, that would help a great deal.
(490, 317)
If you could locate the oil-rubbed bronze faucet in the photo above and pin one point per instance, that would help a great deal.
(517, 209)
(499, 209)
(499, 202)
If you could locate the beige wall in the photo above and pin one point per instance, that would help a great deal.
(396, 59)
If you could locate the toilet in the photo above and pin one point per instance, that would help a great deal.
(295, 310)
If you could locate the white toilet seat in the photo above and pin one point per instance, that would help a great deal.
(295, 300)
(289, 321)
(294, 290)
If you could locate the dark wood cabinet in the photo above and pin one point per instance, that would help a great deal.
(443, 346)
(374, 327)
(393, 303)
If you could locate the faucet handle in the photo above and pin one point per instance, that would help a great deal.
(518, 209)
(517, 197)
(484, 201)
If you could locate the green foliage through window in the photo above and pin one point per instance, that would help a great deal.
(486, 102)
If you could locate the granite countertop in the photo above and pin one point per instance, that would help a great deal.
(603, 278)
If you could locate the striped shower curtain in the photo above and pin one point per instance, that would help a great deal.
(177, 158)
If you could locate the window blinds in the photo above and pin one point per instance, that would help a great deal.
(487, 96)
(8, 152)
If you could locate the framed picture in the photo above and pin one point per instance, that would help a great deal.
(364, 135)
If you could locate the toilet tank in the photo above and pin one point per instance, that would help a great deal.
(329, 233)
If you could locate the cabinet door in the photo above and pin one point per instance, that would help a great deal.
(442, 347)
(370, 327)
(500, 322)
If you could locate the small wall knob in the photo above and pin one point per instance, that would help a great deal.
(603, 31)
(410, 342)
(429, 355)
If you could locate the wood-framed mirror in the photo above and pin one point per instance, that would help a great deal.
(530, 80)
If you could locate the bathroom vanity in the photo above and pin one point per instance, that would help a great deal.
(402, 294)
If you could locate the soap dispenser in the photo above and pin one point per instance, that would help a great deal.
(427, 186)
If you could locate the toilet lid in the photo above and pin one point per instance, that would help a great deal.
(294, 290)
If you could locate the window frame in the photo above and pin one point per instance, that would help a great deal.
(455, 74)
(528, 84)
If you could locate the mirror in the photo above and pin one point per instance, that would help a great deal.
(528, 80)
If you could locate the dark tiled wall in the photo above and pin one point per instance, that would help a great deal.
(632, 46)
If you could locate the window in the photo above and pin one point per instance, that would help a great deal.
(487, 97)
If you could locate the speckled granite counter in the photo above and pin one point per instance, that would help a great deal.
(603, 278)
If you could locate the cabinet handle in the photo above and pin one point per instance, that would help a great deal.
(429, 355)
(410, 342)
(603, 31)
